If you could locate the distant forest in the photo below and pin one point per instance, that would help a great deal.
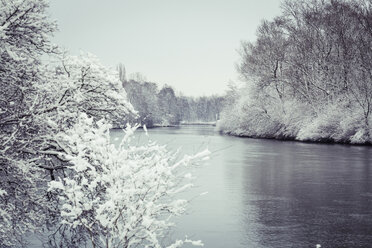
(163, 107)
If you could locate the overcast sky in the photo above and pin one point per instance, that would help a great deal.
(188, 44)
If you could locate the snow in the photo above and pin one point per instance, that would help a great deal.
(2, 192)
(140, 184)
(263, 117)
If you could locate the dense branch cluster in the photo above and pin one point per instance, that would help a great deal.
(309, 74)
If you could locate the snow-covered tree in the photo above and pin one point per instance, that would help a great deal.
(31, 154)
(24, 35)
(313, 62)
(82, 84)
(54, 122)
(143, 97)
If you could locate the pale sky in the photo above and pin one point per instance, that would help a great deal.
(188, 44)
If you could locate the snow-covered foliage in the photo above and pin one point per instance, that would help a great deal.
(118, 196)
(24, 35)
(308, 75)
(266, 117)
(337, 123)
(95, 88)
(59, 174)
(31, 154)
(256, 113)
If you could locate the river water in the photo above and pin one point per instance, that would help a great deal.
(268, 193)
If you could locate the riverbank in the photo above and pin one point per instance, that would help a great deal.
(283, 137)
(212, 123)
(291, 138)
(198, 123)
(314, 131)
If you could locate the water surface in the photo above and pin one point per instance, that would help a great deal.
(268, 193)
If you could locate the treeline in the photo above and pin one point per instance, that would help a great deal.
(308, 74)
(163, 107)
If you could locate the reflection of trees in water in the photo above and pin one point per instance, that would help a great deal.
(306, 194)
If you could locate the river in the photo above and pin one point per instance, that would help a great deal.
(268, 193)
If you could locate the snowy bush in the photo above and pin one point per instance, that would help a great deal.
(119, 196)
(296, 115)
(253, 114)
(260, 113)
(339, 122)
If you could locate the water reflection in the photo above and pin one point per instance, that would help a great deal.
(305, 194)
